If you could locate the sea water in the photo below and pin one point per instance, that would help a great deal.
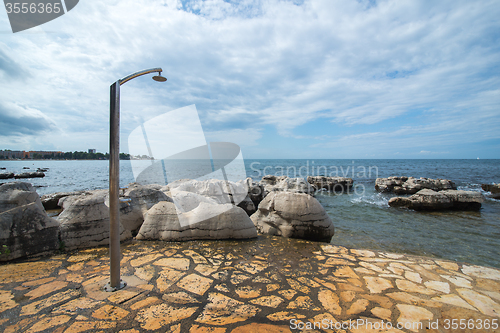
(362, 218)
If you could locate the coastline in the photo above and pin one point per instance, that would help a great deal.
(363, 220)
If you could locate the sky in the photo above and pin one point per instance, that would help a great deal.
(310, 79)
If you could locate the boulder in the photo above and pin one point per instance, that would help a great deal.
(423, 200)
(411, 185)
(386, 185)
(219, 190)
(334, 184)
(494, 189)
(27, 230)
(255, 191)
(29, 175)
(25, 227)
(187, 201)
(227, 222)
(429, 200)
(66, 201)
(248, 206)
(6, 175)
(51, 201)
(84, 221)
(17, 194)
(136, 201)
(294, 215)
(271, 183)
(464, 200)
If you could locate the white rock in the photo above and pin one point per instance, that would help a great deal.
(295, 215)
(227, 222)
(283, 183)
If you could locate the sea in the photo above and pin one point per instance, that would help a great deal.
(362, 217)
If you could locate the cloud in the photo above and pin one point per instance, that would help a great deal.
(9, 67)
(16, 120)
(426, 71)
(242, 137)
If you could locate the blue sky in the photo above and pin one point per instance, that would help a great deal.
(282, 79)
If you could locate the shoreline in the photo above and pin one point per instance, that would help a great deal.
(353, 237)
(260, 237)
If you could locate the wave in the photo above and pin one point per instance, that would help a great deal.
(377, 199)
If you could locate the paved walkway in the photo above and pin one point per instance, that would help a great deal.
(265, 285)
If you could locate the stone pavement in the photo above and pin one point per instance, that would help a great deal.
(270, 284)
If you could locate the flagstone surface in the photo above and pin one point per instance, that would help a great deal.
(270, 284)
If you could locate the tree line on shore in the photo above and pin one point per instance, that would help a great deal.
(76, 155)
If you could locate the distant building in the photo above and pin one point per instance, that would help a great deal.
(92, 151)
(42, 154)
(12, 154)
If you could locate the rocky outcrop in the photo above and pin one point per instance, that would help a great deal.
(430, 200)
(334, 184)
(465, 200)
(29, 175)
(84, 221)
(136, 201)
(226, 222)
(271, 183)
(410, 185)
(15, 194)
(494, 189)
(423, 200)
(51, 201)
(248, 206)
(25, 227)
(27, 230)
(221, 191)
(6, 175)
(255, 191)
(294, 215)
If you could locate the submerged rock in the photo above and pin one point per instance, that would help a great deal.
(6, 175)
(411, 185)
(464, 200)
(423, 200)
(334, 184)
(444, 200)
(227, 222)
(29, 175)
(293, 215)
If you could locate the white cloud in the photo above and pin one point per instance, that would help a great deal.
(255, 63)
(242, 137)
